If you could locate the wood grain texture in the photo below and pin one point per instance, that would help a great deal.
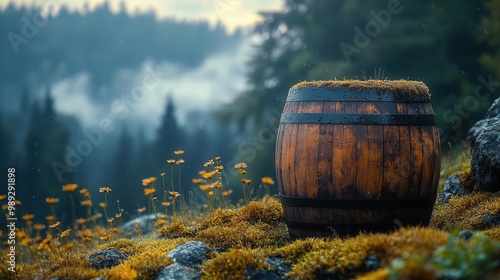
(357, 162)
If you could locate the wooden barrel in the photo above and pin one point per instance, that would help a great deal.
(357, 156)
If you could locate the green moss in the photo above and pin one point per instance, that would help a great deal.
(416, 89)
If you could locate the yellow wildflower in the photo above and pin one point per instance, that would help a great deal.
(55, 225)
(216, 184)
(65, 233)
(174, 194)
(86, 203)
(160, 222)
(148, 181)
(197, 181)
(39, 227)
(51, 200)
(69, 187)
(205, 187)
(28, 217)
(240, 165)
(149, 191)
(267, 181)
(104, 189)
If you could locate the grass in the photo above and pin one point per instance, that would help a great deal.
(415, 89)
(245, 236)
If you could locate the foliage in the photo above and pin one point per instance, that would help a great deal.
(459, 260)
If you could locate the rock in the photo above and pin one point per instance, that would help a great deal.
(494, 110)
(466, 234)
(372, 263)
(452, 187)
(177, 271)
(107, 258)
(279, 265)
(491, 221)
(478, 128)
(147, 225)
(485, 159)
(260, 274)
(190, 254)
(491, 116)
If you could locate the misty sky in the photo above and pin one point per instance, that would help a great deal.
(233, 13)
(212, 85)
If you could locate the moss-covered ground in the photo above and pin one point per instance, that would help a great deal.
(243, 237)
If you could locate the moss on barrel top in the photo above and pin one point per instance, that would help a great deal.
(414, 89)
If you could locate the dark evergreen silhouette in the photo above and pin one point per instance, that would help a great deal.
(45, 143)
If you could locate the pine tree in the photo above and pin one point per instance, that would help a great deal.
(170, 135)
(45, 143)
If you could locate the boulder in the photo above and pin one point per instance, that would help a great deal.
(494, 110)
(190, 254)
(491, 116)
(147, 225)
(485, 159)
(187, 258)
(178, 271)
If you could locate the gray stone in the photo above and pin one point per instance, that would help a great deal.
(261, 274)
(491, 221)
(279, 266)
(475, 130)
(485, 159)
(177, 271)
(494, 110)
(190, 254)
(372, 263)
(452, 187)
(106, 258)
(466, 234)
(147, 225)
(491, 116)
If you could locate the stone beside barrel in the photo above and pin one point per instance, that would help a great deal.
(357, 156)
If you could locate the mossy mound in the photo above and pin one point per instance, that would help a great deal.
(245, 238)
(253, 226)
(468, 212)
(414, 90)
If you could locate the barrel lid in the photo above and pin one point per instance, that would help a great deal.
(401, 89)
